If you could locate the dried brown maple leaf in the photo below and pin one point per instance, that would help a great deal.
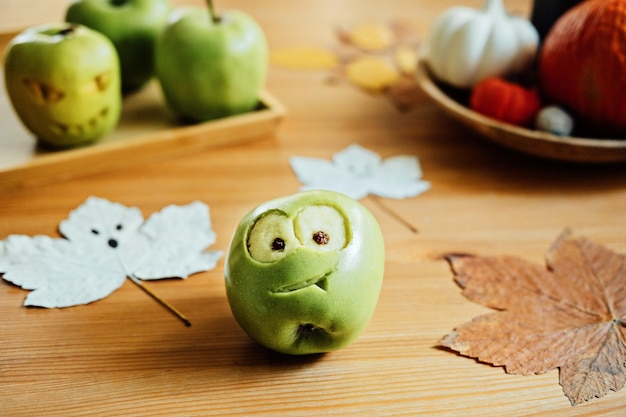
(569, 315)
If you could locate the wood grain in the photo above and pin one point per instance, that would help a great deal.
(126, 356)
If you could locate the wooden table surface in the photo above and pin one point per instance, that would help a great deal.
(126, 356)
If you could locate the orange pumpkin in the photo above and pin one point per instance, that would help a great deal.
(582, 63)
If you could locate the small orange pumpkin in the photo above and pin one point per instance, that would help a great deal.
(582, 64)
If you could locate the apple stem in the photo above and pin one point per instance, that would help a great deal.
(214, 16)
(68, 30)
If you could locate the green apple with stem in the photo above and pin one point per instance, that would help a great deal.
(211, 65)
(63, 81)
(304, 272)
(132, 25)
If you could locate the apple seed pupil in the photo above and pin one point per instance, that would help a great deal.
(278, 244)
(321, 238)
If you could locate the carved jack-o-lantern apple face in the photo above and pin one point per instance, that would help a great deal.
(64, 83)
(304, 272)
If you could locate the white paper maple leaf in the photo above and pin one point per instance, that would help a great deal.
(357, 172)
(104, 243)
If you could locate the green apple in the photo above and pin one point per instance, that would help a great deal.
(63, 81)
(211, 66)
(132, 25)
(304, 272)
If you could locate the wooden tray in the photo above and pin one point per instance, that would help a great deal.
(147, 132)
(533, 142)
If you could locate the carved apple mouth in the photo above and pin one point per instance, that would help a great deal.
(78, 129)
(321, 282)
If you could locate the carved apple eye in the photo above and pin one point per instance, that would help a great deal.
(322, 228)
(271, 237)
(43, 93)
(98, 84)
(103, 80)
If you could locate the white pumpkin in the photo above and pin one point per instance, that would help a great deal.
(467, 45)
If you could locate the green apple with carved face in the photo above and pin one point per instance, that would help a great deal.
(63, 81)
(304, 272)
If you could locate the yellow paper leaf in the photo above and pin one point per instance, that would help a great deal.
(303, 58)
(371, 73)
(372, 36)
(406, 59)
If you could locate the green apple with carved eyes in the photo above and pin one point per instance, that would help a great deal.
(304, 272)
(63, 81)
(132, 25)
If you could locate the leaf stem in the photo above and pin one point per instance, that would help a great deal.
(393, 214)
(158, 299)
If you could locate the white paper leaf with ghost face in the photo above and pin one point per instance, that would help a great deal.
(104, 243)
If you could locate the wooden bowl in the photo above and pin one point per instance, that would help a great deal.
(533, 142)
